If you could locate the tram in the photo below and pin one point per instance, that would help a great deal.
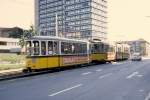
(118, 52)
(99, 51)
(45, 52)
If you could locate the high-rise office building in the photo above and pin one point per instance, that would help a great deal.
(77, 18)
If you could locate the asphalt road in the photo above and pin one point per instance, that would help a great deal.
(118, 81)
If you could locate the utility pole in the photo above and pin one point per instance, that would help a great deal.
(56, 25)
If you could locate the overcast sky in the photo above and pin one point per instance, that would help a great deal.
(127, 19)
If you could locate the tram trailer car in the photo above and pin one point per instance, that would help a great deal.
(45, 52)
(111, 53)
(123, 51)
(118, 52)
(126, 51)
(99, 52)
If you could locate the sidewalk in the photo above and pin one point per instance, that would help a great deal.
(10, 72)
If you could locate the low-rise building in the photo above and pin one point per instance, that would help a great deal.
(14, 32)
(140, 45)
(9, 45)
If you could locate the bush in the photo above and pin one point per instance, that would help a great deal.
(10, 61)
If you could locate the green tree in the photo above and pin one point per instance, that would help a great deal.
(16, 32)
(26, 35)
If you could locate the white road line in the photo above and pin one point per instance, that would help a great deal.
(116, 63)
(147, 97)
(141, 90)
(133, 74)
(86, 73)
(106, 75)
(65, 90)
(99, 70)
(139, 75)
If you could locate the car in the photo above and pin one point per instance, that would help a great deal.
(136, 57)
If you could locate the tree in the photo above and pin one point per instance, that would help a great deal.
(26, 35)
(16, 32)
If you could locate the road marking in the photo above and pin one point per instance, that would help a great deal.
(116, 63)
(139, 75)
(147, 97)
(65, 90)
(106, 75)
(86, 73)
(141, 90)
(99, 70)
(133, 74)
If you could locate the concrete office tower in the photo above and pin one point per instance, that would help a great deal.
(75, 18)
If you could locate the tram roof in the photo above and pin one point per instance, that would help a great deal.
(55, 38)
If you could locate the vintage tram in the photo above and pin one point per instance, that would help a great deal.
(45, 52)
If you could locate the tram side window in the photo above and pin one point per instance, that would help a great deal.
(43, 48)
(36, 47)
(73, 48)
(106, 47)
(101, 48)
(68, 48)
(64, 48)
(77, 48)
(28, 48)
(111, 49)
(119, 49)
(50, 47)
(84, 48)
(55, 48)
(97, 48)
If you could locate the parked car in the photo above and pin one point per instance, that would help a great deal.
(136, 57)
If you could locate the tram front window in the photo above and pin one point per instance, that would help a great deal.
(28, 48)
(36, 47)
(43, 48)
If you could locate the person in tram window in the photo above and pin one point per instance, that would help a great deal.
(43, 51)
(50, 51)
(55, 49)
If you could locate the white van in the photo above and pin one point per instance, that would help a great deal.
(136, 57)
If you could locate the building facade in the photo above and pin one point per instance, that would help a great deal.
(14, 32)
(72, 18)
(141, 46)
(9, 45)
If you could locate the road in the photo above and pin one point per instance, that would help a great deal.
(117, 81)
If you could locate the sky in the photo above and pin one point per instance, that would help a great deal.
(127, 19)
